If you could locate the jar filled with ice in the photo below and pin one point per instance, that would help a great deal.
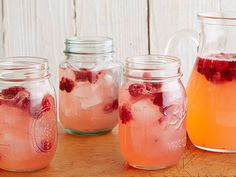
(89, 81)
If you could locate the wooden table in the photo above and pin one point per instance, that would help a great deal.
(100, 156)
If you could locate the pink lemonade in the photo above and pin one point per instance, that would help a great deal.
(89, 100)
(152, 131)
(28, 129)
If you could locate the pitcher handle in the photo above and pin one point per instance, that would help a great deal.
(185, 33)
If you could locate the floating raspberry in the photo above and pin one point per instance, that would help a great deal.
(46, 145)
(11, 92)
(16, 96)
(86, 75)
(115, 104)
(158, 99)
(66, 84)
(152, 87)
(46, 105)
(125, 114)
(222, 67)
(111, 106)
(136, 89)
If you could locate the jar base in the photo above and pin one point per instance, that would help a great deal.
(23, 171)
(149, 167)
(216, 150)
(92, 133)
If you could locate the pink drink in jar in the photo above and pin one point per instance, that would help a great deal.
(28, 126)
(89, 85)
(152, 107)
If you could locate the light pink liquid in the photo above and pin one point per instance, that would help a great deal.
(90, 106)
(28, 134)
(152, 136)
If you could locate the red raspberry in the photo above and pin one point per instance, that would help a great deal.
(125, 114)
(16, 96)
(11, 92)
(46, 105)
(217, 77)
(46, 145)
(221, 65)
(136, 89)
(111, 106)
(158, 99)
(66, 84)
(227, 75)
(115, 104)
(86, 75)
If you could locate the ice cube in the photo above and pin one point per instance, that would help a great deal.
(89, 102)
(84, 90)
(145, 111)
(89, 95)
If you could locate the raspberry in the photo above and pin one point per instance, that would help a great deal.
(16, 96)
(136, 89)
(46, 145)
(227, 75)
(111, 106)
(217, 70)
(11, 92)
(152, 87)
(221, 65)
(217, 77)
(158, 99)
(86, 75)
(125, 114)
(66, 84)
(46, 105)
(115, 104)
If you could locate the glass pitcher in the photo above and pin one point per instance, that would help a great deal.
(211, 90)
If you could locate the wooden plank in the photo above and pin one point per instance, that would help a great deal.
(38, 28)
(228, 5)
(169, 16)
(1, 30)
(124, 21)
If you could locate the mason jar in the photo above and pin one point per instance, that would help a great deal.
(28, 126)
(152, 108)
(89, 81)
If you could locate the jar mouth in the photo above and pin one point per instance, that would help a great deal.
(23, 68)
(153, 62)
(89, 45)
(218, 18)
(152, 67)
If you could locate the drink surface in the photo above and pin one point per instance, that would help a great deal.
(28, 128)
(211, 117)
(89, 99)
(152, 131)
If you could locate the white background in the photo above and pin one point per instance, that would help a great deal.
(39, 27)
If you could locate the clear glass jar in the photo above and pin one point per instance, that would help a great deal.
(28, 126)
(89, 84)
(152, 108)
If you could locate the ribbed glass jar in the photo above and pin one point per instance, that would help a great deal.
(28, 126)
(89, 81)
(152, 108)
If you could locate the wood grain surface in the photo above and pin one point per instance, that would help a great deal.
(99, 156)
